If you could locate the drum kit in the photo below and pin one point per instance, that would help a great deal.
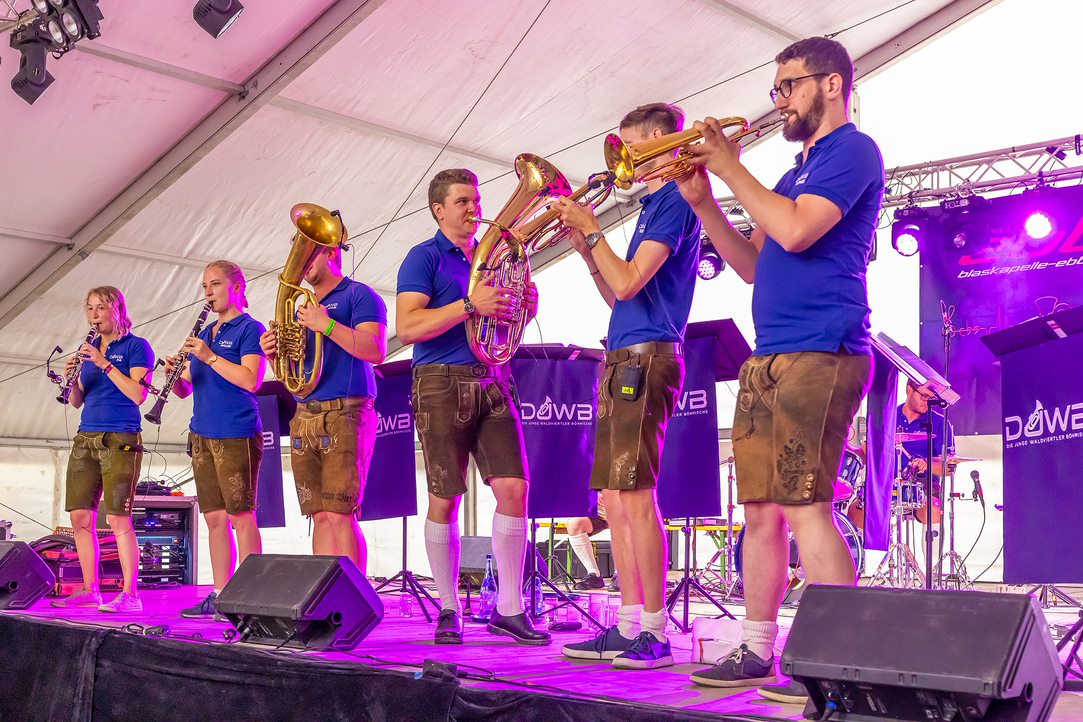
(909, 509)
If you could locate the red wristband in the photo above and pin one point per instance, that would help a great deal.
(108, 369)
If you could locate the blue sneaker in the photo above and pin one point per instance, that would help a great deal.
(606, 645)
(645, 652)
(740, 668)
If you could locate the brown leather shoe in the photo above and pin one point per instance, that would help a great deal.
(517, 627)
(449, 627)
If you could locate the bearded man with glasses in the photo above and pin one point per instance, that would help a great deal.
(808, 255)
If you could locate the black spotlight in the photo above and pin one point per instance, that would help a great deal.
(710, 263)
(33, 78)
(215, 16)
(68, 21)
(909, 230)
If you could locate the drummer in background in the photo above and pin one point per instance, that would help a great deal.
(912, 419)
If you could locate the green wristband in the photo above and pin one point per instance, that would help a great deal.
(330, 328)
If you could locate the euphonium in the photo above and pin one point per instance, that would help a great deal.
(502, 254)
(317, 228)
(625, 161)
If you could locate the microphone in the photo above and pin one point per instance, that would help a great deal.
(978, 494)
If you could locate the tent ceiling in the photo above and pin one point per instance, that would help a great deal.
(149, 154)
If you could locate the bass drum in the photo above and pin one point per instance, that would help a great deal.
(850, 533)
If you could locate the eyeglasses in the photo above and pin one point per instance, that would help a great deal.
(786, 86)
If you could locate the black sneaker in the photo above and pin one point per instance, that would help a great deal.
(645, 652)
(591, 581)
(207, 608)
(614, 583)
(606, 645)
(792, 693)
(740, 668)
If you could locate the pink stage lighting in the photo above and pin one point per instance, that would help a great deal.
(1038, 225)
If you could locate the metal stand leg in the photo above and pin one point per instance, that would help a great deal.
(956, 578)
(536, 575)
(408, 583)
(1050, 595)
(1073, 665)
(689, 584)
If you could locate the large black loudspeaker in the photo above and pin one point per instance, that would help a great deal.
(906, 654)
(24, 576)
(301, 601)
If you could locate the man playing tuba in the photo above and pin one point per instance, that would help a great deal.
(462, 406)
(334, 430)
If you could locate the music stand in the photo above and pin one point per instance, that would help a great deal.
(722, 349)
(386, 495)
(554, 492)
(922, 374)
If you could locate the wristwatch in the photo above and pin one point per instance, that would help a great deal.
(468, 306)
(212, 359)
(593, 238)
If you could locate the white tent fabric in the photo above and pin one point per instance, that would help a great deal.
(131, 152)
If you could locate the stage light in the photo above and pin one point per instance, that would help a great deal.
(215, 16)
(710, 263)
(960, 239)
(908, 231)
(32, 78)
(1038, 225)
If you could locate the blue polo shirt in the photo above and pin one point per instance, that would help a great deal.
(659, 312)
(349, 303)
(816, 300)
(440, 270)
(920, 449)
(105, 407)
(222, 409)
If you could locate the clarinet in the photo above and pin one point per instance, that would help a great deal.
(154, 416)
(68, 381)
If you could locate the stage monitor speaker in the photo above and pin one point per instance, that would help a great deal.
(301, 601)
(912, 654)
(24, 576)
(474, 549)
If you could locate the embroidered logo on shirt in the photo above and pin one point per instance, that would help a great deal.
(801, 179)
(225, 343)
(116, 358)
(331, 306)
(642, 228)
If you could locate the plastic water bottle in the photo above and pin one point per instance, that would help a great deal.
(538, 598)
(406, 605)
(488, 591)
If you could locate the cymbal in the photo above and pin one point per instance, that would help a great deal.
(952, 460)
(904, 437)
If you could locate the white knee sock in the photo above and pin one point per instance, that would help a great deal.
(444, 548)
(655, 623)
(509, 548)
(759, 637)
(585, 551)
(628, 620)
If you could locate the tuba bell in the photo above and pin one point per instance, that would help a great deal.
(503, 253)
(626, 161)
(317, 229)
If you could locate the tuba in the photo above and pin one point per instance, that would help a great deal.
(317, 229)
(626, 161)
(520, 228)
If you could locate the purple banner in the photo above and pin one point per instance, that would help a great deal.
(1019, 257)
(688, 485)
(391, 490)
(558, 403)
(1043, 443)
(270, 506)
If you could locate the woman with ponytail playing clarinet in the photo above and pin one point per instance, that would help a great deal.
(224, 368)
(107, 451)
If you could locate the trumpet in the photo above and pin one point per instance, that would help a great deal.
(626, 161)
(67, 381)
(154, 416)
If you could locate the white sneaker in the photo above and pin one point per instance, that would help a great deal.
(123, 602)
(81, 597)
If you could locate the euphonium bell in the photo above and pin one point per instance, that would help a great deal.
(524, 225)
(317, 229)
(625, 161)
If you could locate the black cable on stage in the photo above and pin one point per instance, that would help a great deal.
(983, 571)
(984, 517)
(26, 517)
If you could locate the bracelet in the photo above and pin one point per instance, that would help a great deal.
(108, 369)
(330, 328)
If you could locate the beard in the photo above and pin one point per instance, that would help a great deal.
(805, 126)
